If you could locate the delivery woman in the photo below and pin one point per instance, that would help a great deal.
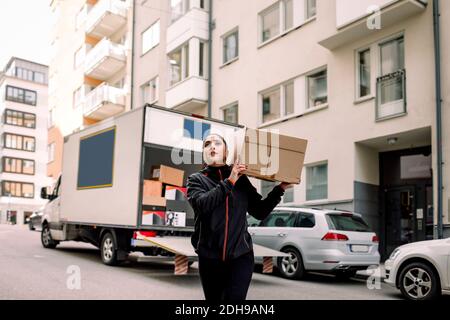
(221, 196)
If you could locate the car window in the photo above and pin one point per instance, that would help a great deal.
(306, 220)
(279, 219)
(347, 223)
(252, 221)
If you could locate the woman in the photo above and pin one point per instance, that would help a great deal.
(221, 196)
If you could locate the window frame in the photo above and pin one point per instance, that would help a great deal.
(5, 118)
(21, 183)
(5, 134)
(147, 84)
(307, 168)
(184, 63)
(224, 37)
(150, 28)
(307, 91)
(18, 100)
(358, 52)
(5, 158)
(228, 107)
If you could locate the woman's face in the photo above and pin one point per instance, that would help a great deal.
(214, 151)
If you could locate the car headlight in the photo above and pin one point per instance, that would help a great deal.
(394, 254)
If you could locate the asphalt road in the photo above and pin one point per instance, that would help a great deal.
(74, 271)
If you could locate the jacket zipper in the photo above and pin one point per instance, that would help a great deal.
(225, 240)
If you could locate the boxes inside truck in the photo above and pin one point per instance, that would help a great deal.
(271, 156)
(168, 175)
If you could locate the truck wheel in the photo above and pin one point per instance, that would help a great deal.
(108, 250)
(46, 238)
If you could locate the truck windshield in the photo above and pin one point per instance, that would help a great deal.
(347, 222)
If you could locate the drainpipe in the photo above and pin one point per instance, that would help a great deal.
(437, 58)
(210, 27)
(132, 55)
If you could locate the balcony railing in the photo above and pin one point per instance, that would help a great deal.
(105, 59)
(103, 102)
(106, 17)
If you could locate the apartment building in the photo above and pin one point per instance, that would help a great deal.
(90, 67)
(23, 142)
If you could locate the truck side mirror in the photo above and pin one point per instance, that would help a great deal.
(44, 194)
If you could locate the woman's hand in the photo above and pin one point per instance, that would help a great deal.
(237, 171)
(285, 185)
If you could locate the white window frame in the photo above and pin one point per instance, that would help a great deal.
(154, 82)
(79, 57)
(51, 152)
(312, 165)
(185, 7)
(152, 34)
(185, 68)
(307, 76)
(282, 89)
(229, 106)
(51, 118)
(224, 38)
(358, 97)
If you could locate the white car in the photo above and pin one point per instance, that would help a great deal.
(421, 270)
(333, 241)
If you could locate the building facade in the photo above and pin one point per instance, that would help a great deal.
(23, 145)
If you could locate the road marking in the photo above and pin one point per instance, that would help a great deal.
(38, 256)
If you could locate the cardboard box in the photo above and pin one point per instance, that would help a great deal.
(271, 156)
(154, 218)
(175, 219)
(157, 201)
(175, 193)
(168, 175)
(153, 188)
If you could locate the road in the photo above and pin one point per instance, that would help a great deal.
(28, 271)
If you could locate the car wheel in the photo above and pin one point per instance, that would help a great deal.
(291, 267)
(108, 250)
(419, 282)
(46, 238)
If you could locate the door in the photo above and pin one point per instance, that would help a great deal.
(273, 231)
(400, 219)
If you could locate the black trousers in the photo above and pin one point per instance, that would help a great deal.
(226, 280)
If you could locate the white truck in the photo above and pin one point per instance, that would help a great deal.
(98, 197)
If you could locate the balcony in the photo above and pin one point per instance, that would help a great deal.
(105, 18)
(193, 24)
(103, 102)
(105, 60)
(189, 95)
(352, 21)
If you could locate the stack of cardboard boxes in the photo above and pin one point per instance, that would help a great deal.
(164, 198)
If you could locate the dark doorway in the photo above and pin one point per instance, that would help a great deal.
(406, 198)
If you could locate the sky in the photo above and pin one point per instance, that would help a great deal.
(25, 30)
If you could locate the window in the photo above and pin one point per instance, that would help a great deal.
(230, 114)
(311, 8)
(317, 89)
(363, 73)
(179, 64)
(202, 59)
(77, 97)
(18, 142)
(51, 152)
(79, 57)
(17, 165)
(270, 23)
(21, 95)
(271, 105)
(195, 129)
(293, 14)
(347, 222)
(391, 85)
(178, 8)
(306, 220)
(279, 219)
(17, 189)
(150, 91)
(21, 119)
(29, 75)
(231, 46)
(317, 182)
(267, 186)
(150, 37)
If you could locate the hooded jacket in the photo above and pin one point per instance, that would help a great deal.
(221, 208)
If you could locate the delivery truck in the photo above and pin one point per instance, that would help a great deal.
(123, 186)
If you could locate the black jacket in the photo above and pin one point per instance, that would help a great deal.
(220, 212)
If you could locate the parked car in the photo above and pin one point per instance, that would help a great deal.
(421, 270)
(331, 241)
(35, 220)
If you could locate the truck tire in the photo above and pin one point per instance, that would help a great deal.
(108, 250)
(46, 238)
